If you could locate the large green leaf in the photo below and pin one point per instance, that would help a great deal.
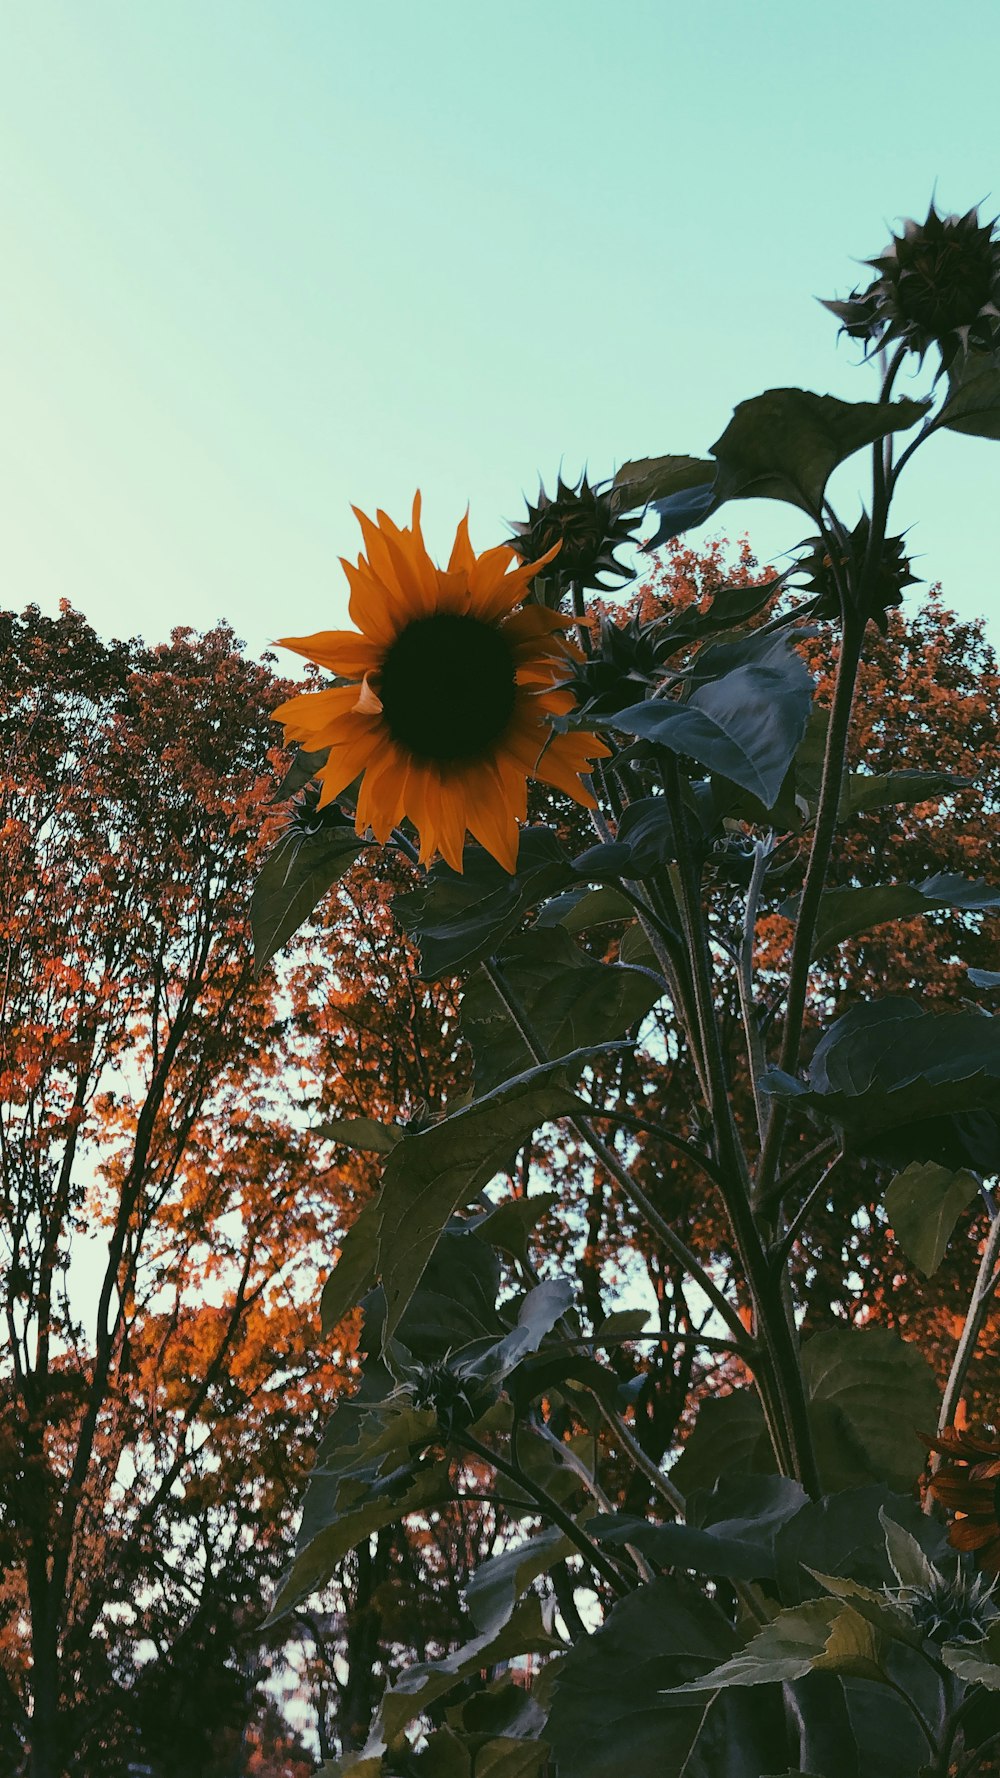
(609, 1715)
(924, 1203)
(454, 1306)
(845, 912)
(508, 1224)
(730, 1531)
(786, 443)
(459, 919)
(294, 878)
(900, 1082)
(728, 1435)
(572, 1002)
(886, 1617)
(430, 1175)
(370, 1471)
(879, 1393)
(745, 725)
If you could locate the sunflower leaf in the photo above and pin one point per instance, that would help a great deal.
(786, 443)
(368, 1473)
(654, 478)
(293, 881)
(875, 1392)
(905, 1084)
(786, 1648)
(978, 1663)
(609, 1713)
(973, 404)
(458, 920)
(871, 790)
(924, 1203)
(430, 1175)
(571, 1002)
(843, 913)
(745, 726)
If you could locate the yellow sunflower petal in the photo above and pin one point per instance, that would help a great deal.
(362, 739)
(492, 820)
(382, 796)
(314, 715)
(343, 651)
(378, 610)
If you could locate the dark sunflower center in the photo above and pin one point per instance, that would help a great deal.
(948, 285)
(447, 687)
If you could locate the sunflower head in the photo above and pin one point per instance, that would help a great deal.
(586, 525)
(937, 283)
(448, 687)
(623, 662)
(892, 576)
(309, 820)
(967, 1483)
(458, 1400)
(950, 1608)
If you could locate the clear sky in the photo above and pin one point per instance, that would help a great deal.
(263, 258)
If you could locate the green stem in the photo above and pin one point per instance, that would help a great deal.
(551, 1509)
(779, 1381)
(981, 1293)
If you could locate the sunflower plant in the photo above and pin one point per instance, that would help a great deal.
(808, 1587)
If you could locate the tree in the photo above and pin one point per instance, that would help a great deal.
(160, 1200)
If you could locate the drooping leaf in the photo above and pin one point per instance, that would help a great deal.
(293, 881)
(431, 1175)
(678, 1545)
(902, 1084)
(863, 791)
(301, 771)
(354, 1272)
(786, 443)
(853, 1648)
(880, 1392)
(458, 920)
(745, 726)
(984, 978)
(499, 1582)
(973, 404)
(454, 1307)
(924, 1203)
(571, 1001)
(538, 1312)
(369, 1472)
(845, 912)
(579, 909)
(610, 1714)
(654, 478)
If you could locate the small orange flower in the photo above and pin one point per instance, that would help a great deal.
(450, 693)
(967, 1482)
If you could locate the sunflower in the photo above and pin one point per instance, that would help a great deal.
(450, 694)
(967, 1482)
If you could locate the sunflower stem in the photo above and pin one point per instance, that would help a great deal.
(614, 1166)
(981, 1292)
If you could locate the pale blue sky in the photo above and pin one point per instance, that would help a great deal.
(262, 258)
